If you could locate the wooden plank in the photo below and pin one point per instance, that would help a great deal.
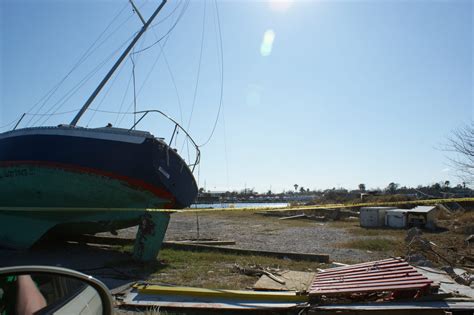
(323, 258)
(217, 293)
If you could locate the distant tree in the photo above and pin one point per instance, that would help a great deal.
(201, 190)
(447, 183)
(392, 188)
(302, 190)
(296, 187)
(461, 143)
(269, 192)
(362, 187)
(436, 186)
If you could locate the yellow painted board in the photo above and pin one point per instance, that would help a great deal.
(215, 293)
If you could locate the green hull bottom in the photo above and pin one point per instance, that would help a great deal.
(38, 199)
(41, 186)
(20, 228)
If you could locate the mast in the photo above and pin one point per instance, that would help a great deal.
(118, 62)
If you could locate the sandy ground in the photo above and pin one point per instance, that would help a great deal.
(258, 232)
(249, 230)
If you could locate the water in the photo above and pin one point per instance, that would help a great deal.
(241, 205)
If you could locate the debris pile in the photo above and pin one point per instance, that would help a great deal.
(423, 252)
(382, 280)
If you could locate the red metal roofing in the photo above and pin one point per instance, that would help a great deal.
(391, 274)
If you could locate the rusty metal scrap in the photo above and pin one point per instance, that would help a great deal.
(391, 275)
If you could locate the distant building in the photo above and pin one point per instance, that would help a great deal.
(422, 216)
(373, 216)
(396, 218)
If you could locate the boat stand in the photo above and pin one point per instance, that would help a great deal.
(150, 235)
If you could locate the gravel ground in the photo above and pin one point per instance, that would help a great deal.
(258, 232)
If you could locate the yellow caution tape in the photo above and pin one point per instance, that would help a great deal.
(297, 208)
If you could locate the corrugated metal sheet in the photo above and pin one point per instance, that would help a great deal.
(393, 274)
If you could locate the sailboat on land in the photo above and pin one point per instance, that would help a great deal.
(68, 166)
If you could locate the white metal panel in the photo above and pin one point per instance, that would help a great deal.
(396, 218)
(373, 216)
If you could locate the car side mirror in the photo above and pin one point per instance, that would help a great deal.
(51, 290)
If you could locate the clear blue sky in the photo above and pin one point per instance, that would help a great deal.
(319, 93)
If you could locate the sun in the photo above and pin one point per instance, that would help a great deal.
(280, 5)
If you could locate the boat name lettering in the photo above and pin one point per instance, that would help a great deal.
(167, 175)
(15, 173)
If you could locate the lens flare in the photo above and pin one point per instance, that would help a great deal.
(267, 43)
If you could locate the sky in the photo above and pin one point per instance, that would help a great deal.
(321, 94)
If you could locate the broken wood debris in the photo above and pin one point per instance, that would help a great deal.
(258, 271)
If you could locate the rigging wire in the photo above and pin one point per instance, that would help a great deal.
(123, 99)
(166, 17)
(186, 140)
(143, 84)
(173, 81)
(81, 83)
(222, 76)
(9, 124)
(198, 75)
(169, 31)
(134, 92)
(81, 60)
(165, 37)
(109, 88)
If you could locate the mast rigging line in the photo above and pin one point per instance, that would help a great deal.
(60, 103)
(222, 76)
(198, 75)
(165, 37)
(81, 60)
(185, 7)
(115, 66)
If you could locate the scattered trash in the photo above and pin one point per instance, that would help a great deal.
(463, 278)
(298, 216)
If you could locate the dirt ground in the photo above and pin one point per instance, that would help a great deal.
(255, 231)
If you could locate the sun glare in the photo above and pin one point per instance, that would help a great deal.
(280, 5)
